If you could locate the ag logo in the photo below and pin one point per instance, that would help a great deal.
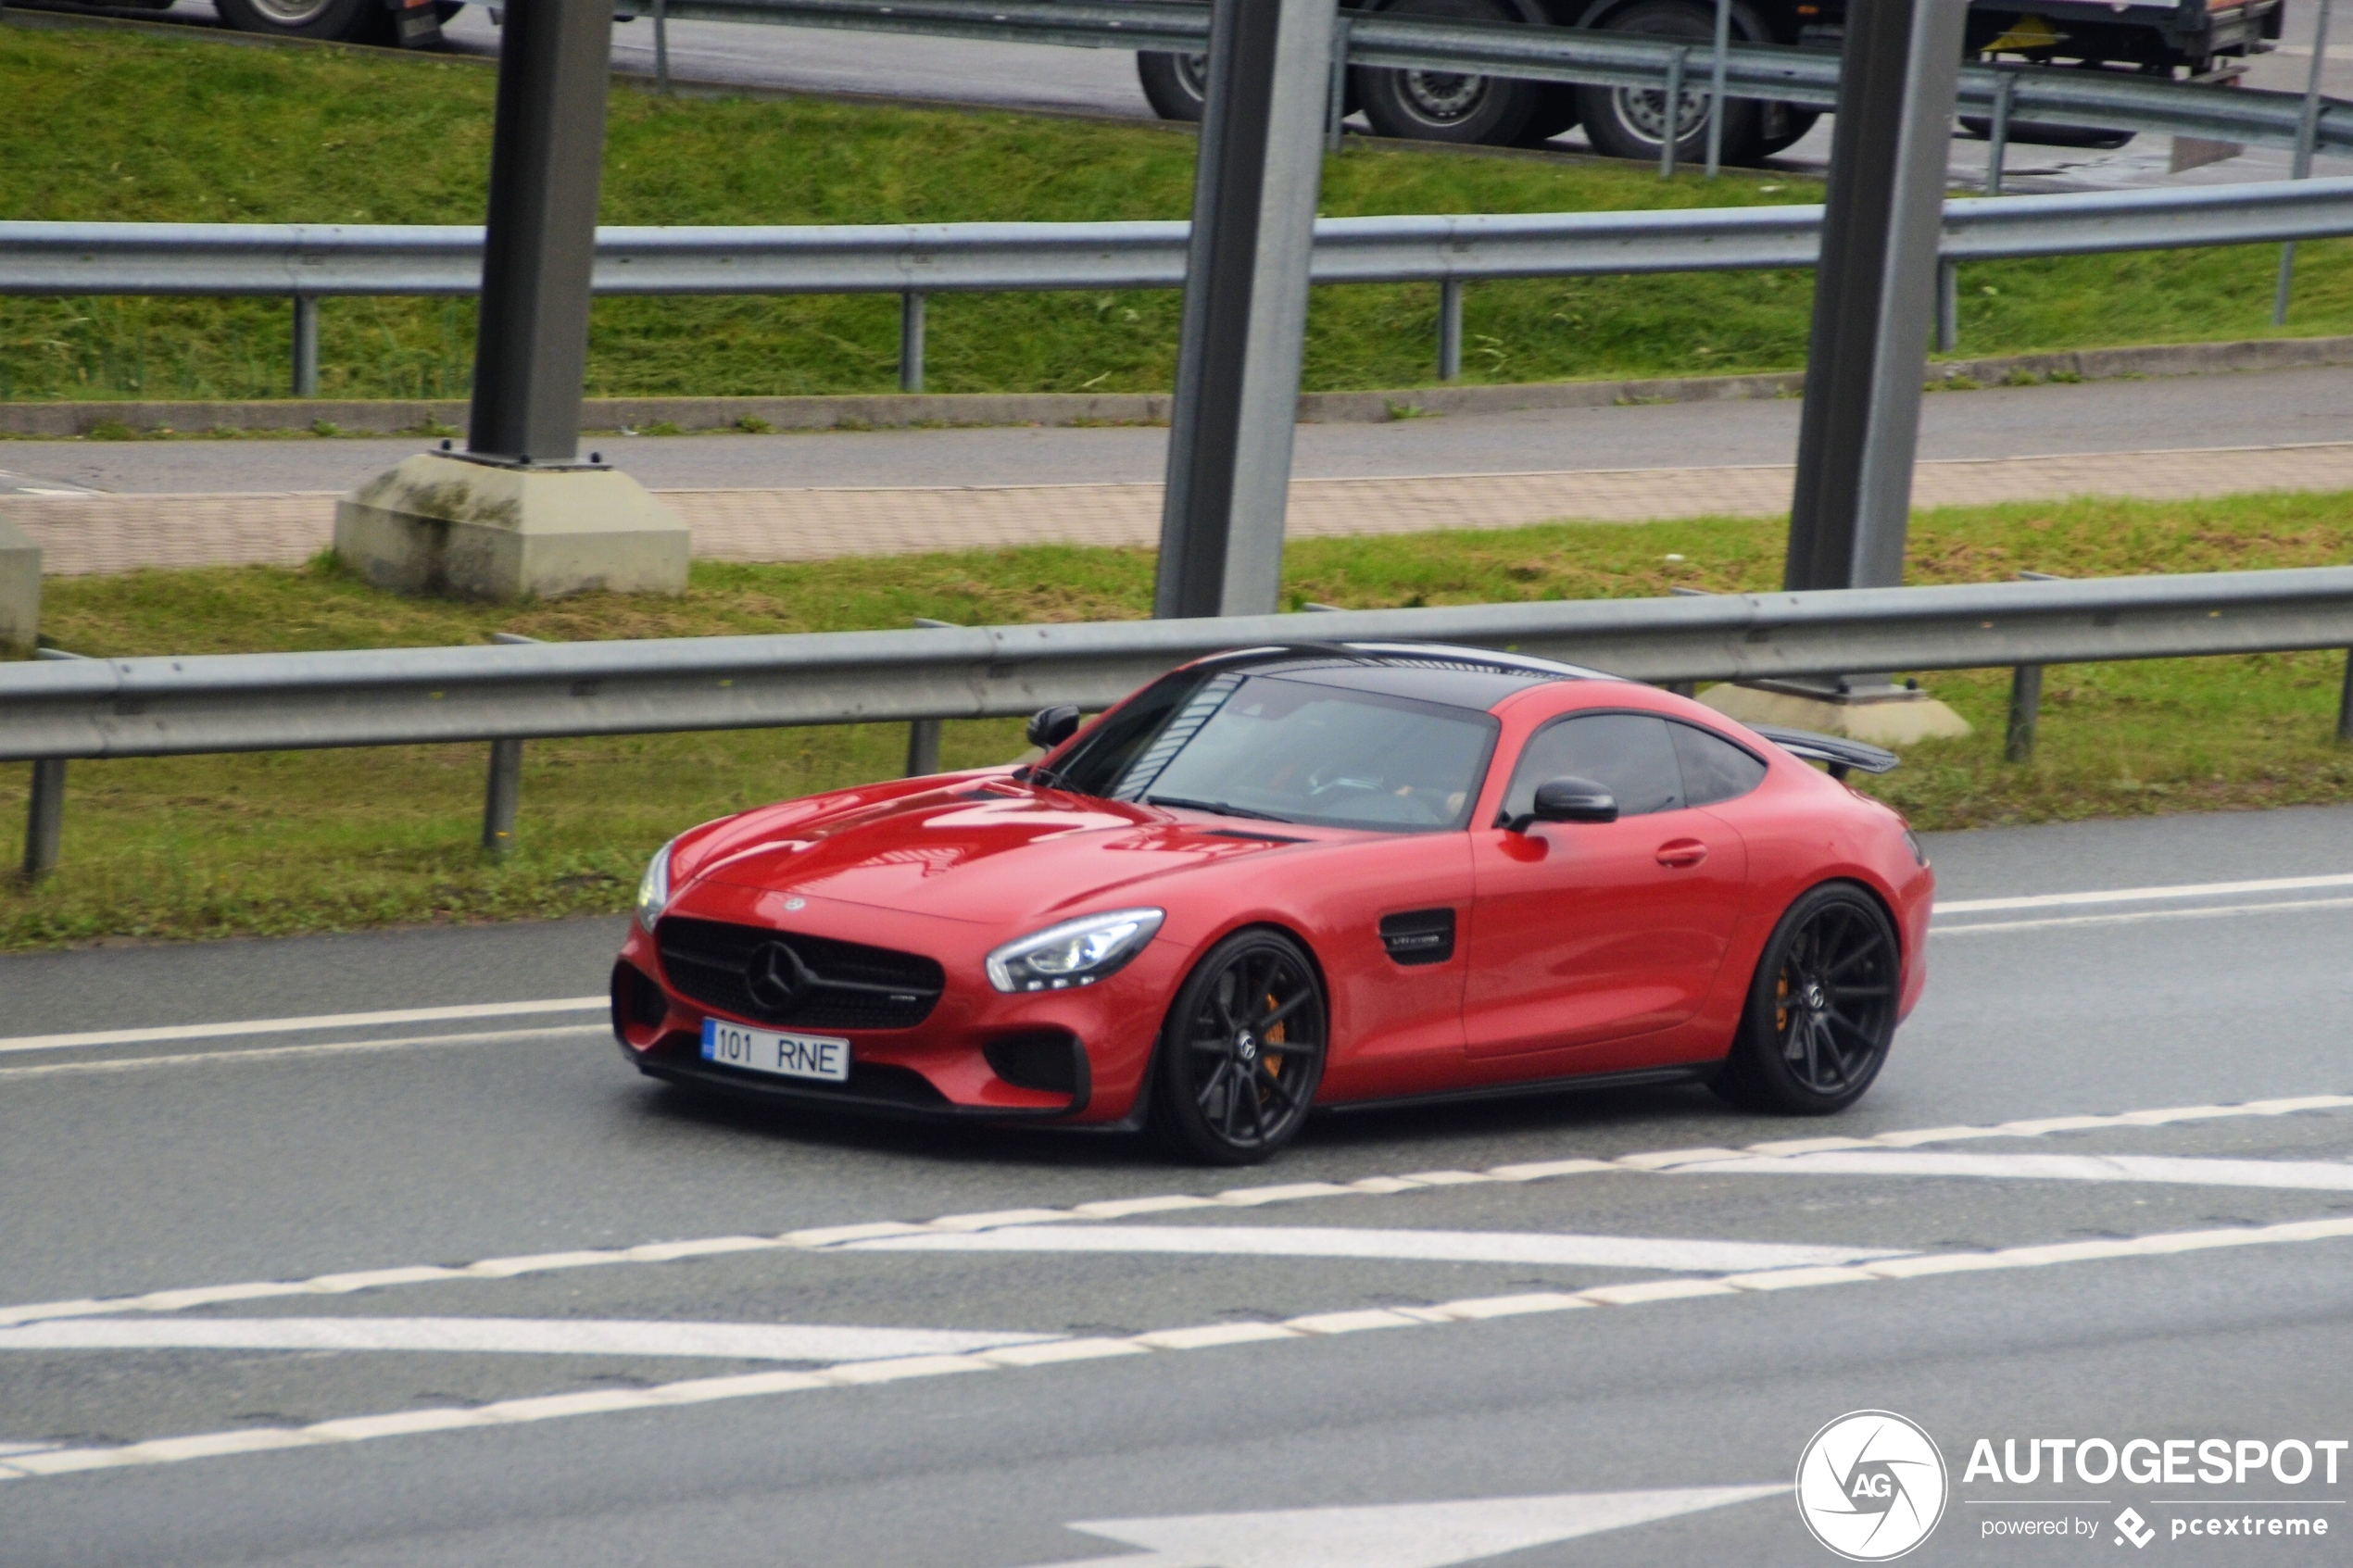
(1871, 1485)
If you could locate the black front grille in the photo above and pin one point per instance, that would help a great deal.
(839, 984)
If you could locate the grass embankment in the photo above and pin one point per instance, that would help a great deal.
(211, 846)
(123, 127)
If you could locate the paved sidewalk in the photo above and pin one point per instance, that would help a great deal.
(117, 532)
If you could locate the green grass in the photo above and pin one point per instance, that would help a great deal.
(287, 842)
(119, 126)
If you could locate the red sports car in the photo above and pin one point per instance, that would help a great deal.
(1291, 877)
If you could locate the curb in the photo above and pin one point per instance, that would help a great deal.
(904, 411)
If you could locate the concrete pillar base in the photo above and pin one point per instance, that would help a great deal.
(440, 523)
(1895, 720)
(19, 588)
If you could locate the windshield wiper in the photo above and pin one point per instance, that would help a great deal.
(1216, 808)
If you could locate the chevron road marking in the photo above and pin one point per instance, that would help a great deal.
(1122, 1208)
(1207, 1336)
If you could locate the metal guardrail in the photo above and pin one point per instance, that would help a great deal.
(313, 261)
(53, 711)
(1555, 54)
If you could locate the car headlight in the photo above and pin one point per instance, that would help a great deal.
(1078, 952)
(653, 888)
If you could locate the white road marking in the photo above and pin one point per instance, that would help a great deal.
(2138, 916)
(1422, 1245)
(300, 1025)
(834, 1236)
(554, 1407)
(2140, 895)
(279, 1053)
(2311, 1176)
(526, 1337)
(1414, 1534)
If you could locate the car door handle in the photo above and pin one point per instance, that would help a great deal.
(1681, 854)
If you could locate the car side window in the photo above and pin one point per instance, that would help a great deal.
(1628, 754)
(1713, 768)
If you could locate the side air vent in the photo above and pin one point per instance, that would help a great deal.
(1419, 936)
(1051, 1060)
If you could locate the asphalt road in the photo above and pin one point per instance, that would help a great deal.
(1101, 82)
(522, 1388)
(2171, 413)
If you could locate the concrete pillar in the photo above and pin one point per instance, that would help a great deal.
(19, 588)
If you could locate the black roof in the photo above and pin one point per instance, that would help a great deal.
(1459, 677)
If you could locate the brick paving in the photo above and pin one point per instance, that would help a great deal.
(121, 532)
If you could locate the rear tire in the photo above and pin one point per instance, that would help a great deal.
(1243, 1051)
(345, 21)
(1436, 105)
(1174, 85)
(1821, 1008)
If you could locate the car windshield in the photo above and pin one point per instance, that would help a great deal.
(1288, 751)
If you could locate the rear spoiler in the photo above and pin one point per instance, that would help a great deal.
(1841, 755)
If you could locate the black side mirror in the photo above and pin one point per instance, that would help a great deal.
(1569, 801)
(1048, 727)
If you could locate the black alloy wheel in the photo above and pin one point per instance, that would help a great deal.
(1243, 1051)
(1821, 1010)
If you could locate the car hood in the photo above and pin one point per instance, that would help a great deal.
(986, 852)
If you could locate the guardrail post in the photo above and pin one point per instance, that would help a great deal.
(1450, 329)
(1247, 260)
(305, 346)
(911, 342)
(1948, 306)
(2344, 704)
(661, 46)
(1672, 114)
(1715, 90)
(923, 734)
(45, 817)
(502, 790)
(2026, 697)
(502, 796)
(2306, 130)
(1997, 151)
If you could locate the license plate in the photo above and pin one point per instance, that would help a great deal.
(782, 1056)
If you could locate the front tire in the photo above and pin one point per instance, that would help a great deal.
(347, 21)
(1243, 1051)
(1821, 1008)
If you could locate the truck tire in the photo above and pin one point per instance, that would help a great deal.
(1630, 122)
(1436, 105)
(1173, 84)
(346, 21)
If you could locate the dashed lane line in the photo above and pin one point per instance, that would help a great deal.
(2143, 895)
(2310, 1175)
(1125, 1207)
(598, 1003)
(2142, 917)
(511, 1337)
(281, 1053)
(1536, 1248)
(302, 1025)
(1206, 1336)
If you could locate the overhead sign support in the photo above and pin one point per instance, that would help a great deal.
(1237, 362)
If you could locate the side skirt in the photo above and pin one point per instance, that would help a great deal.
(1684, 1072)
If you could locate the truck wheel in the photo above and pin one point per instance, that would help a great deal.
(1785, 125)
(1632, 122)
(347, 21)
(1174, 85)
(1438, 105)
